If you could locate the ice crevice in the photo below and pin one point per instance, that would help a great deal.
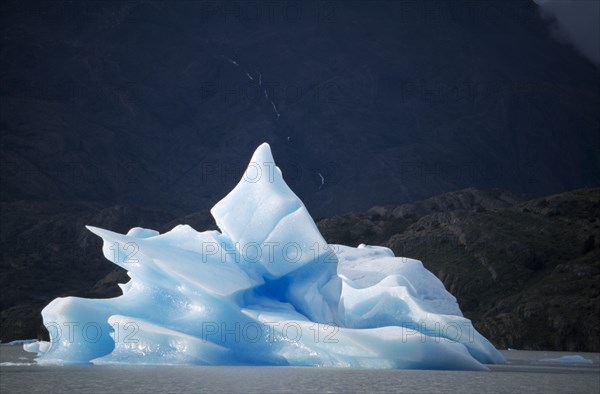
(266, 289)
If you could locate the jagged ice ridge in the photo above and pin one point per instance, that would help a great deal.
(266, 290)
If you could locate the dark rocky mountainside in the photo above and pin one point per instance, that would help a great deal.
(135, 113)
(160, 103)
(525, 270)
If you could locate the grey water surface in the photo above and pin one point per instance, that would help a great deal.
(523, 374)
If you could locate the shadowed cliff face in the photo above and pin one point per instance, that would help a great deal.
(160, 103)
(526, 271)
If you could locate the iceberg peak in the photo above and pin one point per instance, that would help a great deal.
(265, 290)
(262, 211)
(262, 216)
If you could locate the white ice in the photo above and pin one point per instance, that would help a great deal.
(19, 342)
(567, 359)
(265, 290)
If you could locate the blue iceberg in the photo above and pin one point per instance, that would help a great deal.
(265, 290)
(567, 359)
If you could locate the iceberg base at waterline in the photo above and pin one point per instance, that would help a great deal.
(265, 290)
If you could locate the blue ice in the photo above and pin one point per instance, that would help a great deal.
(266, 289)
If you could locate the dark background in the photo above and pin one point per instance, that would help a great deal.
(143, 113)
(140, 102)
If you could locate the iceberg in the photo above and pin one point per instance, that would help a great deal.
(265, 290)
(567, 359)
(19, 342)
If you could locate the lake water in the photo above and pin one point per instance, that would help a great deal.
(523, 374)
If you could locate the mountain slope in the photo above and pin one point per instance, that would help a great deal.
(159, 103)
